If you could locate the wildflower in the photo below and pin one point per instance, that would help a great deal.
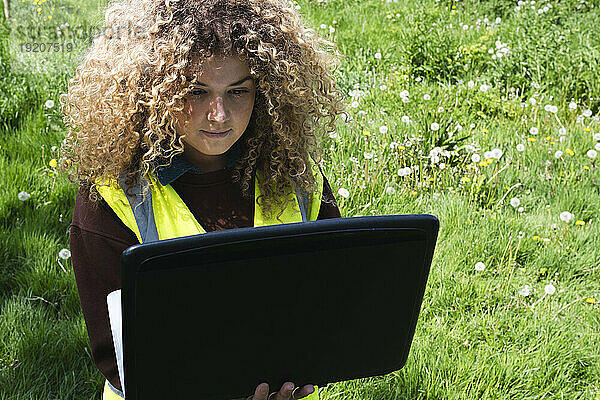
(333, 135)
(460, 128)
(520, 209)
(413, 193)
(378, 55)
(566, 216)
(404, 171)
(472, 126)
(465, 179)
(525, 291)
(590, 300)
(390, 190)
(431, 179)
(49, 103)
(435, 126)
(587, 113)
(484, 87)
(586, 167)
(23, 196)
(569, 152)
(572, 106)
(586, 129)
(383, 87)
(580, 222)
(404, 93)
(64, 254)
(558, 154)
(52, 163)
(479, 266)
(533, 130)
(532, 139)
(366, 133)
(562, 131)
(597, 136)
(552, 109)
(597, 146)
(344, 193)
(368, 156)
(331, 29)
(471, 84)
(520, 147)
(536, 237)
(550, 289)
(383, 129)
(496, 153)
(427, 97)
(405, 119)
(515, 202)
(532, 101)
(592, 153)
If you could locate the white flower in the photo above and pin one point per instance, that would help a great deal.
(532, 101)
(597, 146)
(520, 147)
(23, 196)
(440, 109)
(368, 156)
(323, 26)
(592, 153)
(378, 55)
(533, 130)
(475, 158)
(344, 193)
(390, 190)
(406, 119)
(442, 165)
(394, 145)
(53, 148)
(331, 29)
(487, 155)
(525, 291)
(479, 266)
(558, 154)
(587, 113)
(496, 153)
(383, 87)
(566, 216)
(597, 136)
(550, 289)
(49, 103)
(355, 104)
(405, 99)
(472, 126)
(64, 254)
(498, 20)
(515, 202)
(383, 129)
(572, 106)
(404, 93)
(562, 131)
(418, 79)
(520, 209)
(404, 171)
(484, 87)
(471, 84)
(435, 126)
(550, 108)
(459, 127)
(333, 135)
(426, 97)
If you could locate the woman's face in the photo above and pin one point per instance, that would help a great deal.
(220, 105)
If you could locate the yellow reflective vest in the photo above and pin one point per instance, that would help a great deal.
(163, 215)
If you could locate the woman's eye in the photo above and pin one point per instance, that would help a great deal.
(238, 92)
(198, 92)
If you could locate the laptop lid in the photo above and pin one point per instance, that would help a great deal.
(213, 315)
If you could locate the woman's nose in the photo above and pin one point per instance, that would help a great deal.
(216, 110)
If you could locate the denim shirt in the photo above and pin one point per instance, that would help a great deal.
(180, 165)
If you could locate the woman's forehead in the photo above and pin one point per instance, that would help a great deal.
(217, 66)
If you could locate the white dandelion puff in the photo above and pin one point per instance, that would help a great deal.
(520, 147)
(550, 289)
(344, 193)
(479, 266)
(566, 216)
(23, 196)
(64, 254)
(515, 202)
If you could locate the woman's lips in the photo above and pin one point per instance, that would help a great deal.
(216, 135)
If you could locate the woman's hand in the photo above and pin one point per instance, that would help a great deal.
(288, 391)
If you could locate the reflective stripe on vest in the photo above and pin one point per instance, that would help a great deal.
(163, 215)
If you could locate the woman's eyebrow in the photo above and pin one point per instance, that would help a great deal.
(233, 84)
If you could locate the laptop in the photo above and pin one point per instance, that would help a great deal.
(213, 315)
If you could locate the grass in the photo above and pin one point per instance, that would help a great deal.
(480, 334)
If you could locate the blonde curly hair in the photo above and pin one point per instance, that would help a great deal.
(121, 105)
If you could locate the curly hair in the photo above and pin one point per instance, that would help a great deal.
(122, 103)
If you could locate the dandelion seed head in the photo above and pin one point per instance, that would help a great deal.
(49, 104)
(525, 291)
(520, 147)
(479, 266)
(23, 196)
(566, 216)
(515, 202)
(64, 254)
(344, 193)
(592, 153)
(533, 130)
(550, 289)
(383, 129)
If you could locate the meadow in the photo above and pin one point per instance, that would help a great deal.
(482, 113)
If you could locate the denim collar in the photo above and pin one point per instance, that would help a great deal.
(180, 165)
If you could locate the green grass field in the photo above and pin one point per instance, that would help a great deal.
(482, 113)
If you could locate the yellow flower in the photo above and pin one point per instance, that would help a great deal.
(52, 163)
(507, 187)
(552, 142)
(586, 129)
(485, 131)
(431, 179)
(547, 138)
(413, 193)
(586, 167)
(49, 16)
(536, 237)
(483, 163)
(590, 300)
(39, 10)
(453, 7)
(52, 9)
(580, 222)
(531, 139)
(401, 147)
(570, 152)
(367, 133)
(465, 179)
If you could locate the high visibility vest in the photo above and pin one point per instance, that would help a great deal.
(163, 215)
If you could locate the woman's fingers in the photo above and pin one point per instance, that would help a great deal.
(261, 392)
(285, 393)
(302, 392)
